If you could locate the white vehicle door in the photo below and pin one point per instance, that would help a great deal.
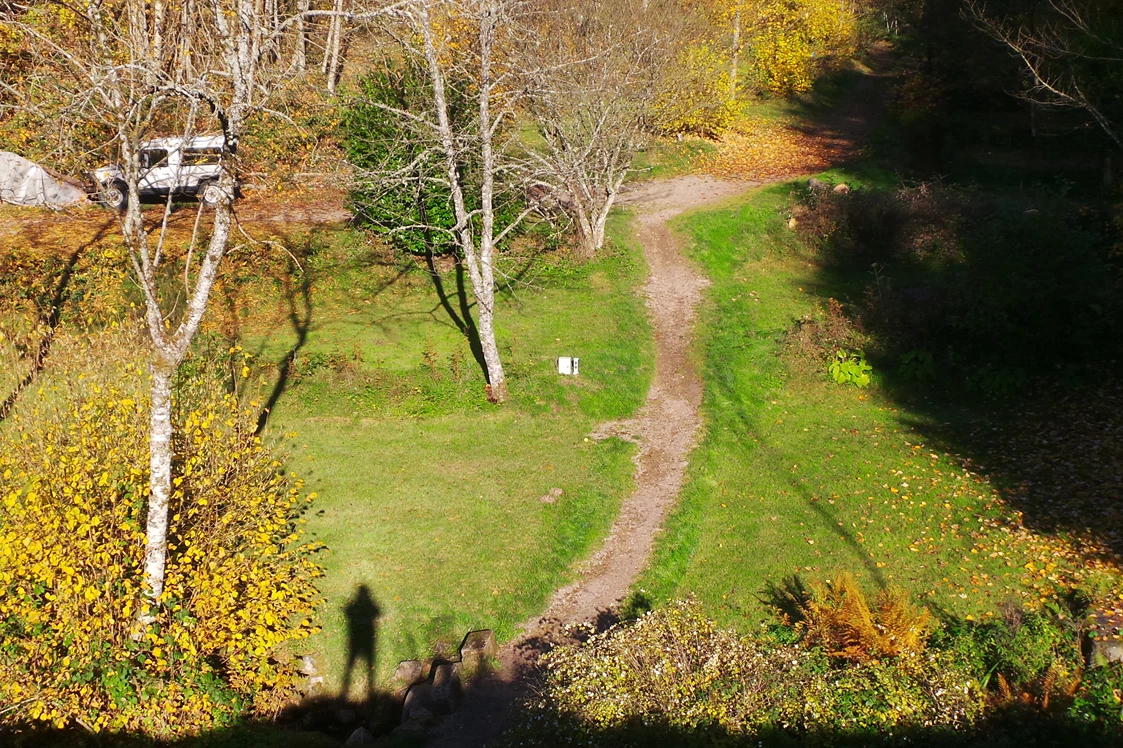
(157, 173)
(200, 165)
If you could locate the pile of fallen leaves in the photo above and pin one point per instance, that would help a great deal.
(757, 148)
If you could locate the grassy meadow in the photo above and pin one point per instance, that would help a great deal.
(426, 495)
(429, 496)
(799, 478)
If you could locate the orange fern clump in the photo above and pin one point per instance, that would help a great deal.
(838, 615)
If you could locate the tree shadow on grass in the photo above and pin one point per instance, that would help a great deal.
(993, 326)
(50, 316)
(300, 317)
(297, 281)
(461, 314)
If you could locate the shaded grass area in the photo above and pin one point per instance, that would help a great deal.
(818, 478)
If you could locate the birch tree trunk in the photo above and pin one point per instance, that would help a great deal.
(478, 259)
(300, 49)
(169, 353)
(332, 44)
(602, 219)
(160, 483)
(496, 379)
(336, 62)
(585, 231)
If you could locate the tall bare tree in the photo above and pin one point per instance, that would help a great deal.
(591, 75)
(138, 69)
(457, 135)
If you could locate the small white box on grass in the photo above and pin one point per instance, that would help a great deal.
(568, 365)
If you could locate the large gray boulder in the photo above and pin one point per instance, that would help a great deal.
(24, 182)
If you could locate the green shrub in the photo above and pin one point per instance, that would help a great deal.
(417, 194)
(239, 585)
(850, 368)
(1100, 696)
(674, 671)
(1021, 654)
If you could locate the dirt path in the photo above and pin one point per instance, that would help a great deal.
(666, 426)
(665, 429)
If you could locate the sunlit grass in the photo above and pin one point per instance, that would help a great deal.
(799, 475)
(431, 497)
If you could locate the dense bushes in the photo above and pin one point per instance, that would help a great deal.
(674, 672)
(967, 288)
(73, 484)
(673, 677)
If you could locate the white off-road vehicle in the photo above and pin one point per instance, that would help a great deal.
(168, 167)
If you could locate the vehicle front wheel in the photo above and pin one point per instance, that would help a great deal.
(115, 195)
(212, 194)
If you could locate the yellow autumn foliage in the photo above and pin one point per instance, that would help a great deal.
(73, 487)
(791, 41)
(695, 96)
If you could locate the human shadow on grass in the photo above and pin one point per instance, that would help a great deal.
(362, 613)
(50, 316)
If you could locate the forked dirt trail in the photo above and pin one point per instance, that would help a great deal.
(667, 425)
(665, 429)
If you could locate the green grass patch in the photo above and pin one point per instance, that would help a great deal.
(797, 475)
(668, 157)
(428, 496)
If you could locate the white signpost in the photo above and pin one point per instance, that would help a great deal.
(568, 365)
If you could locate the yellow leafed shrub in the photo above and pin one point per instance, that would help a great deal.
(792, 40)
(696, 95)
(73, 488)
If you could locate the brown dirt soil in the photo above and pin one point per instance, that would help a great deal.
(258, 212)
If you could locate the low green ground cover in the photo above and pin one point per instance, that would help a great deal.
(428, 496)
(797, 475)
